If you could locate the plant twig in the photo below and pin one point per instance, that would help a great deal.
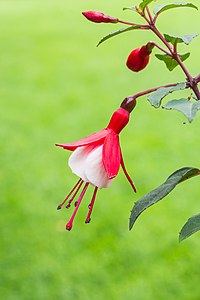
(130, 101)
(149, 14)
(174, 55)
(142, 26)
(162, 49)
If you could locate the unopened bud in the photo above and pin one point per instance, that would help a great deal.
(129, 104)
(99, 17)
(139, 58)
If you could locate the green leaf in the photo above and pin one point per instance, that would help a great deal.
(163, 7)
(159, 193)
(130, 8)
(144, 3)
(169, 61)
(122, 30)
(174, 39)
(156, 97)
(188, 108)
(190, 227)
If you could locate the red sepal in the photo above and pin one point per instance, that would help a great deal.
(119, 120)
(93, 138)
(111, 155)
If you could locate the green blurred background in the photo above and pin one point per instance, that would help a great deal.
(56, 86)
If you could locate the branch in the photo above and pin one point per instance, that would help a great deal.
(197, 78)
(191, 81)
(149, 14)
(162, 49)
(134, 24)
(130, 101)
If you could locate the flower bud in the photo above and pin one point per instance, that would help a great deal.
(139, 58)
(129, 103)
(99, 17)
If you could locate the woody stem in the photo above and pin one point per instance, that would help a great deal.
(192, 82)
(129, 102)
(173, 53)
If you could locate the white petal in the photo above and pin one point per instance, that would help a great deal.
(77, 162)
(94, 169)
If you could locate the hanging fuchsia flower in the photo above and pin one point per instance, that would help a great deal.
(138, 59)
(99, 17)
(96, 160)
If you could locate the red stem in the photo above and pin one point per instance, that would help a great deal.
(149, 14)
(134, 24)
(160, 48)
(129, 102)
(197, 78)
(191, 81)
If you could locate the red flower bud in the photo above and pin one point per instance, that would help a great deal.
(99, 17)
(139, 58)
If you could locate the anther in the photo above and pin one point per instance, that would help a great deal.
(87, 220)
(91, 205)
(76, 192)
(77, 185)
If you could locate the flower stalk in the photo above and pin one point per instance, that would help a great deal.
(130, 101)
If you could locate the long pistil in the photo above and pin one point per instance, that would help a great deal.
(70, 223)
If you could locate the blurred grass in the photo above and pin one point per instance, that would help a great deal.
(56, 86)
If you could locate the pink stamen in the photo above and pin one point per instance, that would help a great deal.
(72, 198)
(88, 219)
(60, 205)
(127, 175)
(70, 223)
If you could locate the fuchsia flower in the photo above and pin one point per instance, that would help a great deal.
(98, 17)
(138, 59)
(96, 160)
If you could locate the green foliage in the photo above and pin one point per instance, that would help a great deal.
(156, 97)
(122, 30)
(187, 107)
(160, 192)
(171, 63)
(130, 8)
(163, 7)
(175, 39)
(190, 227)
(144, 3)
